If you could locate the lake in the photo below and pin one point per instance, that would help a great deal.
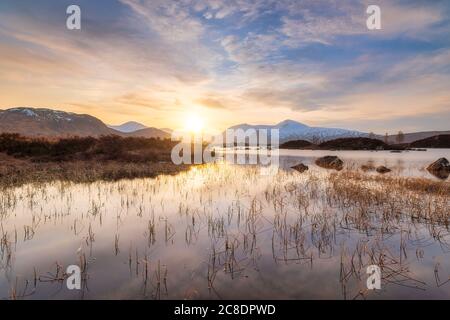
(223, 231)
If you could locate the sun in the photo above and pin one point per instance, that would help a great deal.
(194, 123)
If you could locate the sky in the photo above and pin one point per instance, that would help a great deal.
(160, 62)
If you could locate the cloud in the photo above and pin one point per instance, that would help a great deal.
(420, 66)
(262, 59)
(171, 20)
(248, 10)
(323, 21)
(254, 47)
(211, 103)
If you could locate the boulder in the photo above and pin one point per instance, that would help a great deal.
(440, 168)
(330, 162)
(300, 167)
(440, 164)
(367, 167)
(441, 174)
(383, 169)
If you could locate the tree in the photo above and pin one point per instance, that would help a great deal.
(316, 140)
(400, 137)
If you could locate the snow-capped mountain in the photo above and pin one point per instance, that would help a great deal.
(130, 126)
(292, 130)
(48, 122)
(42, 122)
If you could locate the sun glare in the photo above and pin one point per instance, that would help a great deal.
(194, 124)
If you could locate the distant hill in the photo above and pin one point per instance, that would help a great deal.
(42, 122)
(439, 141)
(149, 133)
(290, 130)
(130, 126)
(339, 144)
(415, 136)
(298, 144)
(168, 130)
(354, 144)
(136, 129)
(36, 122)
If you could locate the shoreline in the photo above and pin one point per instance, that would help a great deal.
(17, 172)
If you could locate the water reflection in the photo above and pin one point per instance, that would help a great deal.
(222, 231)
(406, 163)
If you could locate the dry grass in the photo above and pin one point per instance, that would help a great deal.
(414, 198)
(349, 219)
(16, 172)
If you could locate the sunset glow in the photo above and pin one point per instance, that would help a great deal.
(259, 62)
(225, 158)
(194, 124)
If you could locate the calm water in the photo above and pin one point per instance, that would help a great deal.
(219, 232)
(407, 163)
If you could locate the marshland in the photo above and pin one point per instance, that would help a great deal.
(82, 159)
(223, 231)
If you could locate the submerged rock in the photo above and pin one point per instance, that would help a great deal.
(367, 167)
(300, 167)
(383, 169)
(330, 162)
(440, 168)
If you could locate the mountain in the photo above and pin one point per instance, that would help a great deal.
(149, 133)
(50, 123)
(415, 136)
(298, 144)
(168, 130)
(354, 144)
(338, 144)
(130, 126)
(439, 141)
(292, 130)
(42, 122)
(136, 129)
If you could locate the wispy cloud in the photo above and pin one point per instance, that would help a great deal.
(256, 60)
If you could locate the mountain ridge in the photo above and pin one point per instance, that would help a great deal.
(128, 127)
(294, 130)
(415, 136)
(45, 122)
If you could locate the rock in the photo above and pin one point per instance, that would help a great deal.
(367, 167)
(441, 174)
(440, 168)
(330, 162)
(438, 165)
(300, 167)
(383, 169)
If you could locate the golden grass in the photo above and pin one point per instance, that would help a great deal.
(15, 172)
(357, 219)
